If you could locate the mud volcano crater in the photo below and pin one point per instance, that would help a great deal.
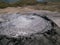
(34, 29)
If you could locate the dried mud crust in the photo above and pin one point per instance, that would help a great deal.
(48, 37)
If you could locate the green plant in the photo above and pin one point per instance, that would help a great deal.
(3, 5)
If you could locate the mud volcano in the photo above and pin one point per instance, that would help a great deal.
(17, 29)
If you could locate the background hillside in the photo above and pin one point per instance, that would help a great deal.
(12, 1)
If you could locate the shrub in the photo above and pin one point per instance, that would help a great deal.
(3, 5)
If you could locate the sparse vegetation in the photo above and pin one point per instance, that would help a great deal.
(55, 6)
(52, 6)
(3, 5)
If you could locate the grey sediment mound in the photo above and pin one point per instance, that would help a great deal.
(29, 28)
(21, 25)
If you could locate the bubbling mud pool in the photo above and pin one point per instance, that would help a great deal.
(35, 28)
(17, 24)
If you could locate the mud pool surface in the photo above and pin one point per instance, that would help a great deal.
(22, 25)
(29, 26)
